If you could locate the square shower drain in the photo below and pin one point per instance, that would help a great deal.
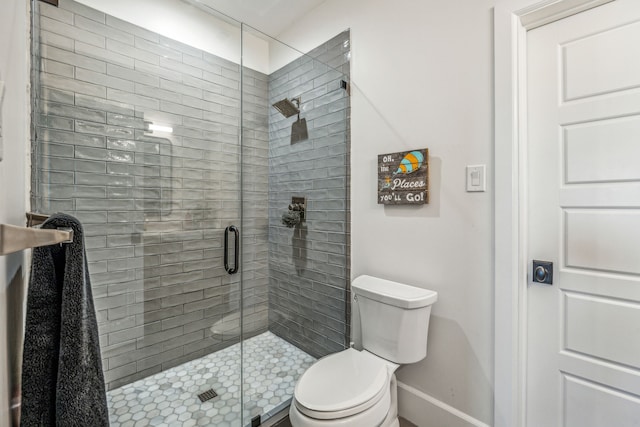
(207, 395)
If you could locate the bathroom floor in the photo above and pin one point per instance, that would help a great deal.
(271, 368)
(405, 423)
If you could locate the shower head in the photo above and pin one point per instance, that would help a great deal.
(287, 107)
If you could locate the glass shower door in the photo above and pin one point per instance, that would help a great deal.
(137, 133)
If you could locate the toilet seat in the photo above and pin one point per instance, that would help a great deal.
(343, 384)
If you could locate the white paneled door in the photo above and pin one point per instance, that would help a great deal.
(583, 214)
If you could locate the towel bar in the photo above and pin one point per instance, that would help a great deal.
(14, 239)
(35, 219)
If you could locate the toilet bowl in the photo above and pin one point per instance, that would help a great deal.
(357, 388)
(349, 388)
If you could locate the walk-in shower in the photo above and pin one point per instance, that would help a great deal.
(159, 138)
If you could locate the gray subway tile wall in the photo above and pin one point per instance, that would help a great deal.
(308, 265)
(154, 207)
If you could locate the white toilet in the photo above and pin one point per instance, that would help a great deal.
(358, 388)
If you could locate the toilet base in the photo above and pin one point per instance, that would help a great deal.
(298, 419)
(394, 422)
(392, 417)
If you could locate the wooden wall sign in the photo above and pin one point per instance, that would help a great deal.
(403, 178)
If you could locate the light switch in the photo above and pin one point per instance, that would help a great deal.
(476, 178)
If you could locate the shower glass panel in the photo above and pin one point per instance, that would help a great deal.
(295, 157)
(137, 133)
(153, 123)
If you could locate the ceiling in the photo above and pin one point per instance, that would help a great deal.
(272, 17)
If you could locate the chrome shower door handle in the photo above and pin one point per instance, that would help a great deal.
(236, 232)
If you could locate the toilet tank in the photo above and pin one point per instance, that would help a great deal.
(394, 318)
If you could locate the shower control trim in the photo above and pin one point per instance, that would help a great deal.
(299, 204)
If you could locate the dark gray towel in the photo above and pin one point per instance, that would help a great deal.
(62, 379)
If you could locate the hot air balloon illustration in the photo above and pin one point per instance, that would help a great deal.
(410, 163)
(387, 183)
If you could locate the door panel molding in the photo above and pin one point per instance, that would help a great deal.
(594, 394)
(542, 13)
(512, 20)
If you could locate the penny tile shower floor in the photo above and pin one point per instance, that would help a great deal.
(271, 368)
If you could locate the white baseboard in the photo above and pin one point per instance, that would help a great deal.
(427, 411)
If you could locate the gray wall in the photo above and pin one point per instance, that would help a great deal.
(154, 206)
(424, 74)
(309, 264)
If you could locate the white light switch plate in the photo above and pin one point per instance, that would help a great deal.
(476, 178)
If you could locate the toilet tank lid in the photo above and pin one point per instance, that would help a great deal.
(393, 293)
